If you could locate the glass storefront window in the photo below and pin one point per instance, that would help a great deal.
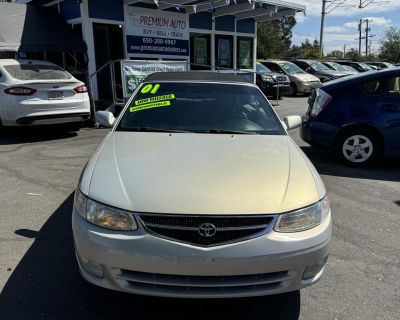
(224, 51)
(200, 51)
(245, 53)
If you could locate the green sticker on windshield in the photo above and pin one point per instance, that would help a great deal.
(154, 99)
(150, 105)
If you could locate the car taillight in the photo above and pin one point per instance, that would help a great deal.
(321, 101)
(81, 89)
(20, 91)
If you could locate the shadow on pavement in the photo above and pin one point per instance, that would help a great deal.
(19, 135)
(327, 164)
(46, 285)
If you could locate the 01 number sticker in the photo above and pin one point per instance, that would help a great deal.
(150, 88)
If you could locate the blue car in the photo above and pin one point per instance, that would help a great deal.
(358, 117)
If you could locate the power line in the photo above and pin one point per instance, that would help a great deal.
(366, 3)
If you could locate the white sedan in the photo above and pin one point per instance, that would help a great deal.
(36, 92)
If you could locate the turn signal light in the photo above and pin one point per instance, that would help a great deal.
(20, 91)
(81, 89)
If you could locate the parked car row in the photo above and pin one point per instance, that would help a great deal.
(358, 117)
(305, 75)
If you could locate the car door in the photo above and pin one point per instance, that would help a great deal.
(389, 106)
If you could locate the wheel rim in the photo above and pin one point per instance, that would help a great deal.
(357, 148)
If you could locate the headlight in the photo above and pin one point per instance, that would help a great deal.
(303, 219)
(267, 78)
(103, 215)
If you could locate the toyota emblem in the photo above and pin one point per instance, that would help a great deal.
(207, 230)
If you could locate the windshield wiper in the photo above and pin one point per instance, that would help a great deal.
(151, 129)
(223, 131)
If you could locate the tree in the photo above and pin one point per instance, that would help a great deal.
(274, 38)
(352, 54)
(335, 54)
(390, 45)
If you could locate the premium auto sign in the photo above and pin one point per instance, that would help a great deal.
(152, 33)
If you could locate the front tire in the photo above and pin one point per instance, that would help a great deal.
(293, 90)
(358, 148)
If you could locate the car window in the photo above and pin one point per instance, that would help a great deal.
(200, 107)
(274, 67)
(394, 86)
(36, 72)
(290, 68)
(261, 68)
(318, 66)
(338, 66)
(364, 66)
(373, 86)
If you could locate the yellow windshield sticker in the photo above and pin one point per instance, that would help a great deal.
(154, 99)
(150, 88)
(150, 105)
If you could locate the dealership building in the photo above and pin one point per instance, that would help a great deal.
(210, 35)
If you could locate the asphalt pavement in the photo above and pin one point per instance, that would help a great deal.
(39, 279)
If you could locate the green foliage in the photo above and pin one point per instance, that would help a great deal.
(352, 54)
(274, 38)
(390, 45)
(306, 50)
(335, 54)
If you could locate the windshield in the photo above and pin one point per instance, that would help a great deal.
(201, 108)
(290, 67)
(318, 66)
(349, 68)
(36, 72)
(338, 67)
(364, 66)
(261, 68)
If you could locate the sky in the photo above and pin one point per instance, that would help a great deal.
(341, 24)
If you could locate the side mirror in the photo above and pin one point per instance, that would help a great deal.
(308, 69)
(105, 118)
(292, 122)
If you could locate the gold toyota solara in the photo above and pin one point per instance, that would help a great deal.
(198, 191)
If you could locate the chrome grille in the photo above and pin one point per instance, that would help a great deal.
(281, 79)
(186, 228)
(148, 283)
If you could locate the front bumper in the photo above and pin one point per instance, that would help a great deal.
(307, 88)
(272, 89)
(140, 263)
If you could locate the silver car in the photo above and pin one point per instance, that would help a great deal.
(198, 191)
(300, 81)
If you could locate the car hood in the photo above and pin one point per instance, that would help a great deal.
(304, 77)
(202, 174)
(331, 73)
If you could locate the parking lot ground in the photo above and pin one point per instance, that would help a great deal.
(39, 279)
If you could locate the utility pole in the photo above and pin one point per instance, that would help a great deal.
(344, 51)
(367, 30)
(321, 33)
(360, 22)
(326, 9)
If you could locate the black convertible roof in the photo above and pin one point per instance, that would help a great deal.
(196, 76)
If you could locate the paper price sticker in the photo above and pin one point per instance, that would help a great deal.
(150, 105)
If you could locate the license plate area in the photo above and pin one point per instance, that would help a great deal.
(55, 95)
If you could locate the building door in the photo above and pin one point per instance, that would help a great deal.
(108, 46)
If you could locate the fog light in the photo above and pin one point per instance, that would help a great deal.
(312, 271)
(91, 267)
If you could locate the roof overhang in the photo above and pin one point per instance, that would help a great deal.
(260, 10)
(31, 28)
